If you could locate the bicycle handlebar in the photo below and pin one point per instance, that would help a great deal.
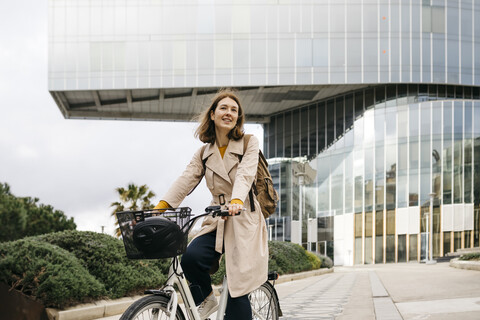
(214, 211)
(217, 211)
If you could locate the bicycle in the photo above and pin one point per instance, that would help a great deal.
(173, 226)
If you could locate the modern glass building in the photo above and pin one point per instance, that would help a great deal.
(371, 109)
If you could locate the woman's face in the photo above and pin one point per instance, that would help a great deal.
(226, 115)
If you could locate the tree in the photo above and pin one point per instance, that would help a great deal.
(132, 198)
(21, 217)
(45, 219)
(13, 216)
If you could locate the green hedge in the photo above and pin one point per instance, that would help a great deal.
(66, 268)
(71, 267)
(47, 273)
(285, 257)
(470, 256)
(104, 257)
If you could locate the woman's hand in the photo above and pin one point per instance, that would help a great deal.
(233, 209)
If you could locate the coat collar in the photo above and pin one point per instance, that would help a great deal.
(223, 166)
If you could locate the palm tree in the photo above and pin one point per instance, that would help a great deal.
(132, 198)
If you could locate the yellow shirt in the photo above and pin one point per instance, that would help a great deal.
(164, 205)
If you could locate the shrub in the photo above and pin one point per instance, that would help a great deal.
(217, 278)
(326, 261)
(104, 257)
(314, 260)
(287, 257)
(470, 256)
(47, 273)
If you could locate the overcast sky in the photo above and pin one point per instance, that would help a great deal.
(75, 165)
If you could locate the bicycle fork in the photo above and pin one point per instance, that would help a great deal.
(223, 299)
(183, 288)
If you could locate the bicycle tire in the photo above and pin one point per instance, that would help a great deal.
(265, 302)
(150, 307)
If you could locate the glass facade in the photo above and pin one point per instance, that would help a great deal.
(375, 155)
(106, 44)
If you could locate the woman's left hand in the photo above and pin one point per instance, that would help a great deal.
(233, 209)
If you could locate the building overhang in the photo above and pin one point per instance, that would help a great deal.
(183, 104)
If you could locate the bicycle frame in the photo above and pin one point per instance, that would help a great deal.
(176, 276)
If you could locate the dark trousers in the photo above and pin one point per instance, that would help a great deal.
(196, 264)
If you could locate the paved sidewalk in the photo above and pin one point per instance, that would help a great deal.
(408, 291)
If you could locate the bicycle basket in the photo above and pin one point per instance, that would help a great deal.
(150, 234)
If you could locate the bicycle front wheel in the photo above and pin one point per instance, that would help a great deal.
(152, 307)
(264, 302)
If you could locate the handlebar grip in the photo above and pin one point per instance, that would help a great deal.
(224, 214)
(217, 211)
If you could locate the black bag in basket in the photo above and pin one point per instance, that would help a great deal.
(157, 237)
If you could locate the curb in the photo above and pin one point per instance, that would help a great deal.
(91, 311)
(107, 308)
(302, 275)
(468, 265)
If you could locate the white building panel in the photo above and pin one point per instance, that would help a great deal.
(339, 252)
(458, 217)
(447, 218)
(312, 230)
(468, 216)
(413, 220)
(343, 237)
(339, 228)
(296, 235)
(402, 220)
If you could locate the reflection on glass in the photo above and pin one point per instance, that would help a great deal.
(368, 237)
(358, 238)
(436, 231)
(457, 244)
(390, 227)
(467, 239)
(321, 120)
(447, 153)
(402, 248)
(379, 237)
(349, 183)
(280, 131)
(476, 227)
(413, 247)
(330, 121)
(447, 240)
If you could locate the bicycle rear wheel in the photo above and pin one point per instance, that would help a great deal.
(152, 307)
(264, 302)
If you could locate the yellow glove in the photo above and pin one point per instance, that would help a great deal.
(162, 205)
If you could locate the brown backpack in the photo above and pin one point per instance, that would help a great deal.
(266, 194)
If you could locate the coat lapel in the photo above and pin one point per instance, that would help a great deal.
(215, 162)
(234, 149)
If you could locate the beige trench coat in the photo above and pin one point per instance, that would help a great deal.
(244, 236)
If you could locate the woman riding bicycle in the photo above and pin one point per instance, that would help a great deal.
(229, 172)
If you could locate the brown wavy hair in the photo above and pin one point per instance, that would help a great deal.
(206, 129)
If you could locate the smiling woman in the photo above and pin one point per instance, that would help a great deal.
(229, 168)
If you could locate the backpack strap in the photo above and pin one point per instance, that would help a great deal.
(246, 138)
(204, 161)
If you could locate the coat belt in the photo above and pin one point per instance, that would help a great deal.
(219, 236)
